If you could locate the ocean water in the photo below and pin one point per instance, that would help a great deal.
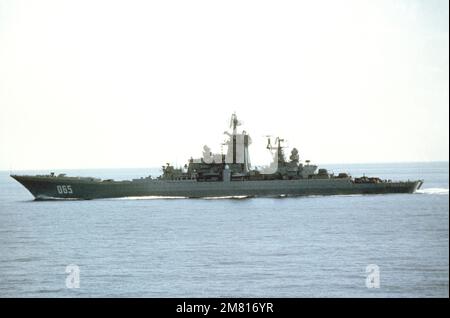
(255, 247)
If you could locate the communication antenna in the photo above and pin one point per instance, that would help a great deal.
(269, 145)
(278, 141)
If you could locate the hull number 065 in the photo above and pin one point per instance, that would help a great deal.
(64, 189)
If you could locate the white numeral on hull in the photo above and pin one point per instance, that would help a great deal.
(64, 189)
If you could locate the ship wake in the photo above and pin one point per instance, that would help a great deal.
(152, 197)
(236, 197)
(438, 191)
(179, 197)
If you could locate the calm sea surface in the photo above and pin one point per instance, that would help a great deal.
(256, 247)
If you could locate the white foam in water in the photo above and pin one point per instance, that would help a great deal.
(433, 191)
(227, 197)
(167, 197)
(146, 198)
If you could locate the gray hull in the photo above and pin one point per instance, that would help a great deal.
(45, 187)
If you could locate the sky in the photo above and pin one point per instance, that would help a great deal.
(124, 84)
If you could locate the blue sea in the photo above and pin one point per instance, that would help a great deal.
(321, 246)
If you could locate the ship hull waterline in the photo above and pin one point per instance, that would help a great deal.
(45, 188)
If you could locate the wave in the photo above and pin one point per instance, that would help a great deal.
(439, 191)
(50, 198)
(153, 197)
(179, 197)
(238, 197)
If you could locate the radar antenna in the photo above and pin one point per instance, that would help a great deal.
(277, 143)
(234, 122)
(276, 149)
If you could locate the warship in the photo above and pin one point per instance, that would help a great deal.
(220, 175)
